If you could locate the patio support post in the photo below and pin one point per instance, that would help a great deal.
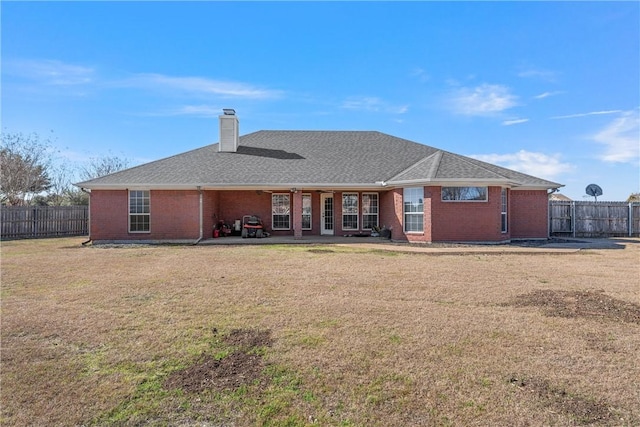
(296, 211)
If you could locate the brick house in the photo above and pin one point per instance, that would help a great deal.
(309, 183)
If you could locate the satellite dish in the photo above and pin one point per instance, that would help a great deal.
(594, 190)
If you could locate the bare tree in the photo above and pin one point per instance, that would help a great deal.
(97, 167)
(24, 163)
(76, 197)
(634, 198)
(29, 175)
(60, 185)
(100, 166)
(62, 191)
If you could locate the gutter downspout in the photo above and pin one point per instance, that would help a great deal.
(89, 216)
(201, 217)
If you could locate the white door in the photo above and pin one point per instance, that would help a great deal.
(326, 208)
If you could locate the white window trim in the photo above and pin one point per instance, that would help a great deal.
(310, 210)
(377, 214)
(404, 213)
(272, 214)
(148, 214)
(486, 199)
(504, 211)
(350, 214)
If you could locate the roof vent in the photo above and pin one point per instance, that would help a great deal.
(229, 131)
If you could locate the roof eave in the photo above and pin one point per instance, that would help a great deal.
(236, 186)
(538, 187)
(453, 182)
(458, 182)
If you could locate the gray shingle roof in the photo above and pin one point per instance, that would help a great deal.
(312, 158)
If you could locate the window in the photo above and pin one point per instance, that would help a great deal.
(139, 211)
(413, 205)
(503, 210)
(306, 211)
(280, 211)
(369, 210)
(464, 194)
(349, 211)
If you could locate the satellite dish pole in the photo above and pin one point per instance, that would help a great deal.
(593, 190)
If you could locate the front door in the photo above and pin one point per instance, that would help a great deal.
(326, 207)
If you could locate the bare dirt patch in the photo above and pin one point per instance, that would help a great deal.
(248, 339)
(240, 367)
(229, 373)
(582, 410)
(589, 304)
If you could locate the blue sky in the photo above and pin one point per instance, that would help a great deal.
(548, 88)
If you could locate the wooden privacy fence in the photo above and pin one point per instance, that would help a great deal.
(594, 219)
(24, 222)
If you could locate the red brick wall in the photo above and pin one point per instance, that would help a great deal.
(448, 221)
(391, 211)
(529, 214)
(296, 213)
(467, 221)
(337, 216)
(174, 215)
(234, 205)
(210, 210)
(109, 214)
(316, 213)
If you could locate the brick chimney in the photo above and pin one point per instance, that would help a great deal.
(229, 131)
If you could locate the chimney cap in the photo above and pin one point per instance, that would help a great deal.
(229, 111)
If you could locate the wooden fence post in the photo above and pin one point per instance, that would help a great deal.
(573, 218)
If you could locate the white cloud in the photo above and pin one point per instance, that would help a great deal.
(198, 110)
(50, 72)
(58, 73)
(531, 163)
(398, 109)
(420, 74)
(373, 104)
(538, 73)
(514, 122)
(482, 100)
(362, 103)
(592, 113)
(621, 138)
(187, 110)
(547, 94)
(201, 85)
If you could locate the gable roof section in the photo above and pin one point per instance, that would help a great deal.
(331, 159)
(443, 167)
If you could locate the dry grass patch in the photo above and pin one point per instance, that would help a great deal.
(322, 335)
